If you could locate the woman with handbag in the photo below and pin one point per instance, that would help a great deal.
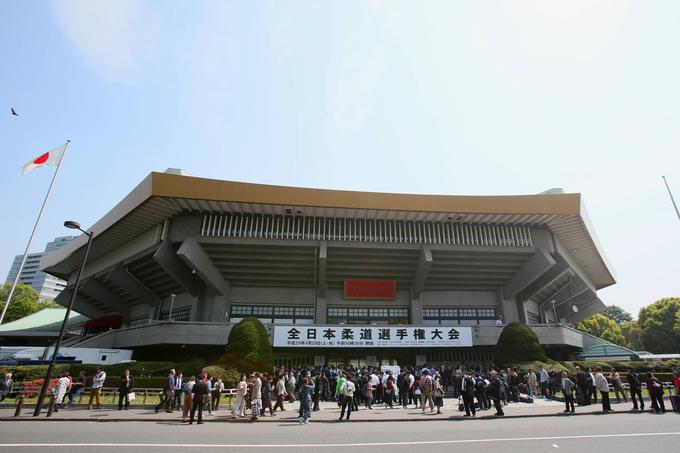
(187, 387)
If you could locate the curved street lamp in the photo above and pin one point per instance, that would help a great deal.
(43, 391)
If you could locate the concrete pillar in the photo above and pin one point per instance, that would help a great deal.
(321, 310)
(416, 310)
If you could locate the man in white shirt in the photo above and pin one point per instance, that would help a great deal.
(603, 386)
(347, 397)
(179, 381)
(544, 381)
(97, 384)
(593, 385)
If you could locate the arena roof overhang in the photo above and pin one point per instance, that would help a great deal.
(162, 195)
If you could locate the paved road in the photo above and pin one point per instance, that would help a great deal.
(621, 433)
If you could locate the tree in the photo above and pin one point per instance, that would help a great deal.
(24, 301)
(603, 327)
(660, 325)
(248, 348)
(631, 332)
(617, 314)
(518, 343)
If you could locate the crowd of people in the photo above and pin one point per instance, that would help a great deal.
(477, 389)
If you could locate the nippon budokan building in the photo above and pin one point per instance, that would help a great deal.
(337, 277)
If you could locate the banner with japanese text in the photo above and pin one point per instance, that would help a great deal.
(336, 336)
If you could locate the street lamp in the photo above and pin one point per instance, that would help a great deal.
(172, 302)
(74, 226)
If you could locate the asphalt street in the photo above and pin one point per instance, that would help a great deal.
(621, 433)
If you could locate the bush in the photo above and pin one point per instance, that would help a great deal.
(524, 367)
(518, 343)
(248, 348)
(230, 377)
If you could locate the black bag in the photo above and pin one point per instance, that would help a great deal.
(461, 406)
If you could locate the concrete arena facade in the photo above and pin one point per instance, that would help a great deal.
(227, 250)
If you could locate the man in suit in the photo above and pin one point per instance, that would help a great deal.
(494, 392)
(168, 395)
(635, 387)
(199, 391)
(6, 386)
(467, 389)
(582, 383)
(177, 402)
(124, 389)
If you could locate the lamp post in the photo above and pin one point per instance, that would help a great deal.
(172, 302)
(43, 391)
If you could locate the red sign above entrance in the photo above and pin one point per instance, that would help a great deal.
(370, 289)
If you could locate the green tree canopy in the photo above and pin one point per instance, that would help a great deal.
(631, 333)
(660, 325)
(518, 343)
(617, 314)
(248, 348)
(603, 327)
(25, 301)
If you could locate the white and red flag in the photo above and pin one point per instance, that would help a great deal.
(52, 157)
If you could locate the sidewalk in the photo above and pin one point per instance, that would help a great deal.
(329, 413)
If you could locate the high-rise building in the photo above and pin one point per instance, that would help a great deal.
(47, 286)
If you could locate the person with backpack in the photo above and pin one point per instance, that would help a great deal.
(438, 393)
(467, 389)
(635, 387)
(416, 391)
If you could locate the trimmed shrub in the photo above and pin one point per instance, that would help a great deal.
(524, 367)
(518, 343)
(248, 348)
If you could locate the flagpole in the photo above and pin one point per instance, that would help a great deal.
(672, 199)
(30, 241)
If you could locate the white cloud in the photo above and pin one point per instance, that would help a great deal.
(113, 37)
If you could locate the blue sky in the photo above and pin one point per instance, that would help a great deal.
(508, 97)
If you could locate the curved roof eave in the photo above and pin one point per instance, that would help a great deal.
(158, 193)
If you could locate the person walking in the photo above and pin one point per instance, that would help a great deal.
(568, 392)
(60, 389)
(618, 386)
(124, 389)
(543, 376)
(267, 395)
(494, 393)
(217, 388)
(603, 387)
(635, 388)
(256, 396)
(6, 386)
(280, 393)
(198, 392)
(655, 390)
(467, 390)
(347, 396)
(238, 409)
(179, 385)
(368, 392)
(426, 388)
(306, 400)
(188, 397)
(290, 387)
(531, 383)
(593, 385)
(438, 394)
(168, 393)
(583, 387)
(97, 385)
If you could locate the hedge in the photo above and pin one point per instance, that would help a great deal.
(518, 343)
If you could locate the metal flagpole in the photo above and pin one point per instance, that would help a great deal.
(672, 199)
(30, 241)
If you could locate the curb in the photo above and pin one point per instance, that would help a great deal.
(454, 418)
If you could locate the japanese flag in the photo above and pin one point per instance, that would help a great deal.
(52, 157)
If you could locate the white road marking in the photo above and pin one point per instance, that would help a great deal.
(363, 444)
